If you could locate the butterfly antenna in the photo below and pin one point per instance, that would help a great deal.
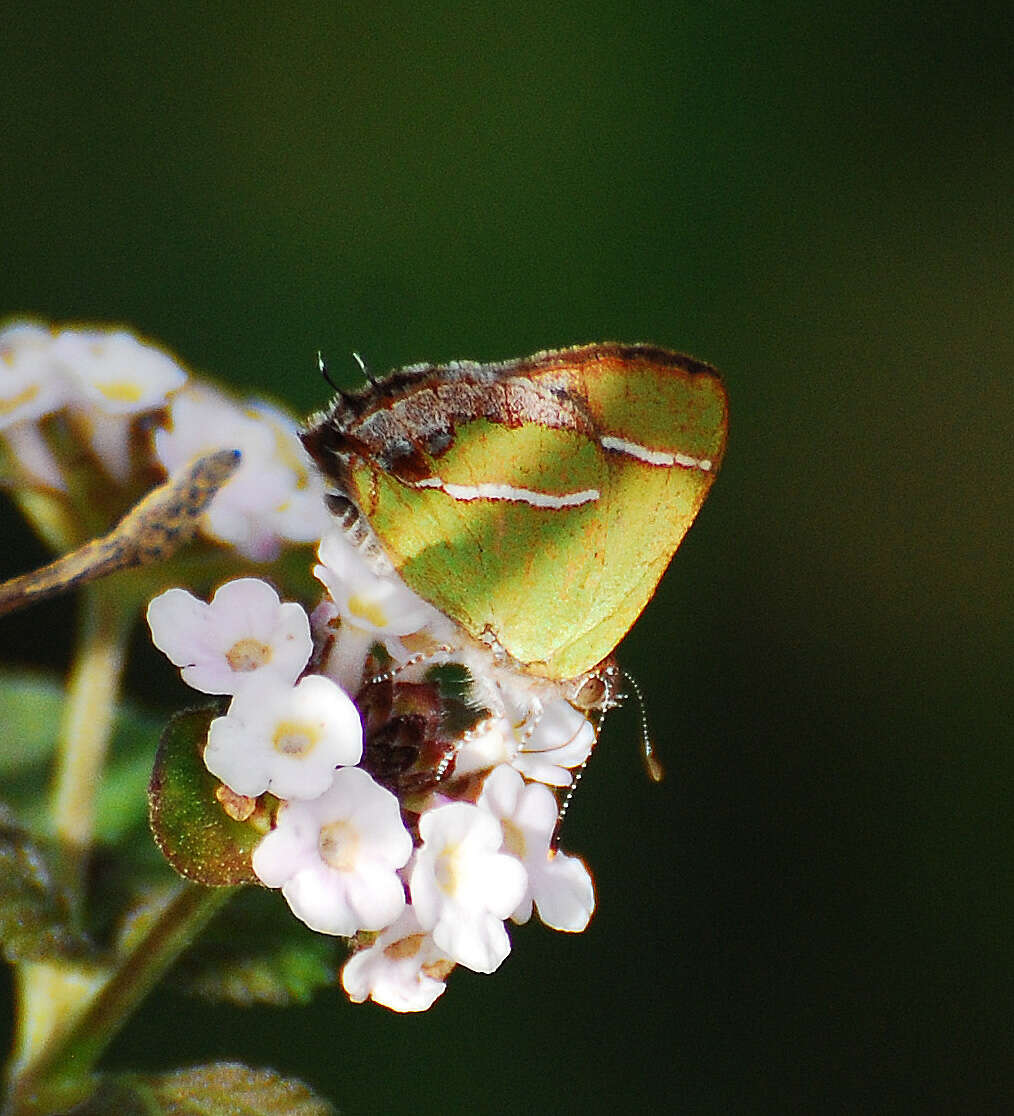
(571, 791)
(415, 660)
(652, 764)
(364, 367)
(322, 365)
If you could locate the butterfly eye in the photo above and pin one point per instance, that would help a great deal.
(342, 508)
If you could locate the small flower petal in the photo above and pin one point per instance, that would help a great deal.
(559, 885)
(36, 462)
(336, 858)
(115, 372)
(489, 744)
(286, 739)
(203, 420)
(562, 738)
(564, 893)
(403, 970)
(301, 515)
(31, 383)
(245, 630)
(463, 887)
(367, 599)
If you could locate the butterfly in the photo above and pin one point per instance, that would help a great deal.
(535, 502)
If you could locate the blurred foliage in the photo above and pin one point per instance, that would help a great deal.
(809, 913)
(32, 706)
(217, 1090)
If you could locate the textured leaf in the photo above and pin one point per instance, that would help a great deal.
(289, 975)
(257, 952)
(192, 829)
(35, 920)
(221, 1089)
(231, 1089)
(123, 1096)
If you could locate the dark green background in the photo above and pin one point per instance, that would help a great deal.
(811, 913)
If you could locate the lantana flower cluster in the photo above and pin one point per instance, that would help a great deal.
(139, 414)
(413, 836)
(419, 861)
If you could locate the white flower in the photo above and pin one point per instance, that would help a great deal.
(463, 887)
(115, 373)
(31, 385)
(541, 742)
(562, 738)
(403, 969)
(492, 742)
(302, 515)
(373, 606)
(203, 420)
(381, 604)
(285, 739)
(336, 858)
(245, 630)
(115, 377)
(559, 885)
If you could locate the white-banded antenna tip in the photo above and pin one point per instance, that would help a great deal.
(652, 764)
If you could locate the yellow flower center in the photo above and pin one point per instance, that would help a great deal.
(438, 970)
(248, 654)
(14, 401)
(404, 948)
(121, 391)
(294, 739)
(368, 610)
(447, 870)
(339, 845)
(513, 840)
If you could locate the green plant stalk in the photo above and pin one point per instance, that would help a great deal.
(61, 1075)
(108, 609)
(52, 994)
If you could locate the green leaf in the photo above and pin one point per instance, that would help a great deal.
(31, 706)
(32, 709)
(123, 1096)
(192, 829)
(288, 976)
(35, 920)
(122, 798)
(220, 1089)
(256, 952)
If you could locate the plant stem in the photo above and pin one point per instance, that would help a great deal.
(107, 615)
(60, 1076)
(51, 995)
